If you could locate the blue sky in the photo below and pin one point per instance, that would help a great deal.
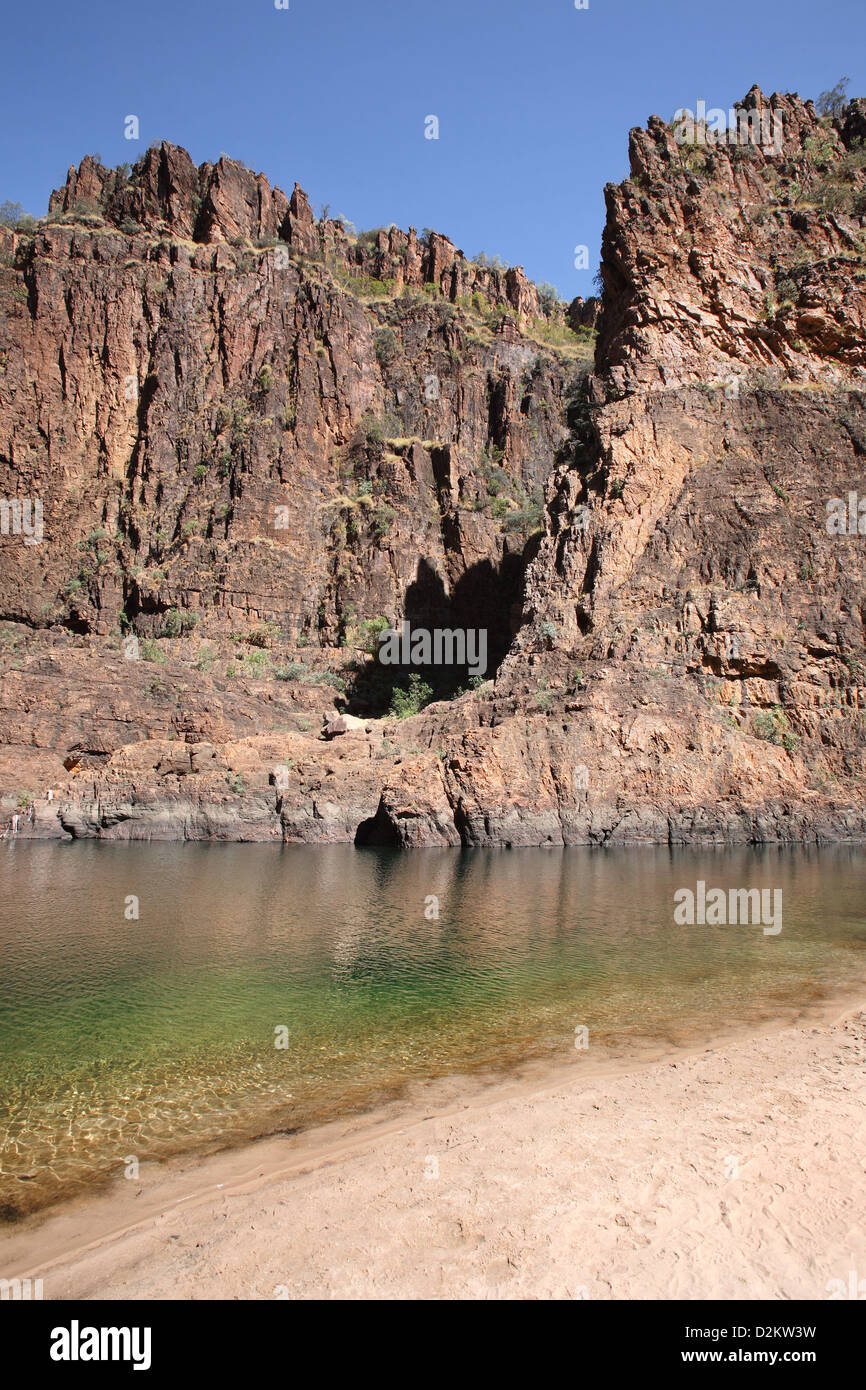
(534, 99)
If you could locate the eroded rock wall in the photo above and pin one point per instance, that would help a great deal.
(687, 648)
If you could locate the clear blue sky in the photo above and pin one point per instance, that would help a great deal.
(534, 98)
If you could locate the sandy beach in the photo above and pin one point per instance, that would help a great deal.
(736, 1171)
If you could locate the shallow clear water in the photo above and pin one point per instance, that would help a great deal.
(152, 1036)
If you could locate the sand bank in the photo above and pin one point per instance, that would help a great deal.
(735, 1171)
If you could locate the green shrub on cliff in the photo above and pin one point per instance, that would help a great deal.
(254, 663)
(262, 634)
(525, 520)
(149, 651)
(385, 346)
(773, 727)
(368, 633)
(406, 701)
(177, 624)
(382, 520)
(299, 671)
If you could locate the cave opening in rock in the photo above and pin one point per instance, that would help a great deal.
(486, 598)
(377, 831)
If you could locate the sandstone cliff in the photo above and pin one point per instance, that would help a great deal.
(254, 435)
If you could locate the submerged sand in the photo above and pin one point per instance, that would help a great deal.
(736, 1171)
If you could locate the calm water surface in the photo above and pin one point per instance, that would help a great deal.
(153, 1036)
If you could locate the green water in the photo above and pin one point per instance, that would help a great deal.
(149, 1037)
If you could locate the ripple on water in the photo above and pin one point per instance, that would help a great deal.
(153, 1038)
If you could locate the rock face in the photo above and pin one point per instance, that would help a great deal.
(268, 430)
(256, 438)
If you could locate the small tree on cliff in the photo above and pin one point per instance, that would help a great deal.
(830, 103)
(549, 296)
(13, 215)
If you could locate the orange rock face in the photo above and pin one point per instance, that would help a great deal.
(256, 438)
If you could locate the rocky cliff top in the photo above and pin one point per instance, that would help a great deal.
(726, 255)
(165, 194)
